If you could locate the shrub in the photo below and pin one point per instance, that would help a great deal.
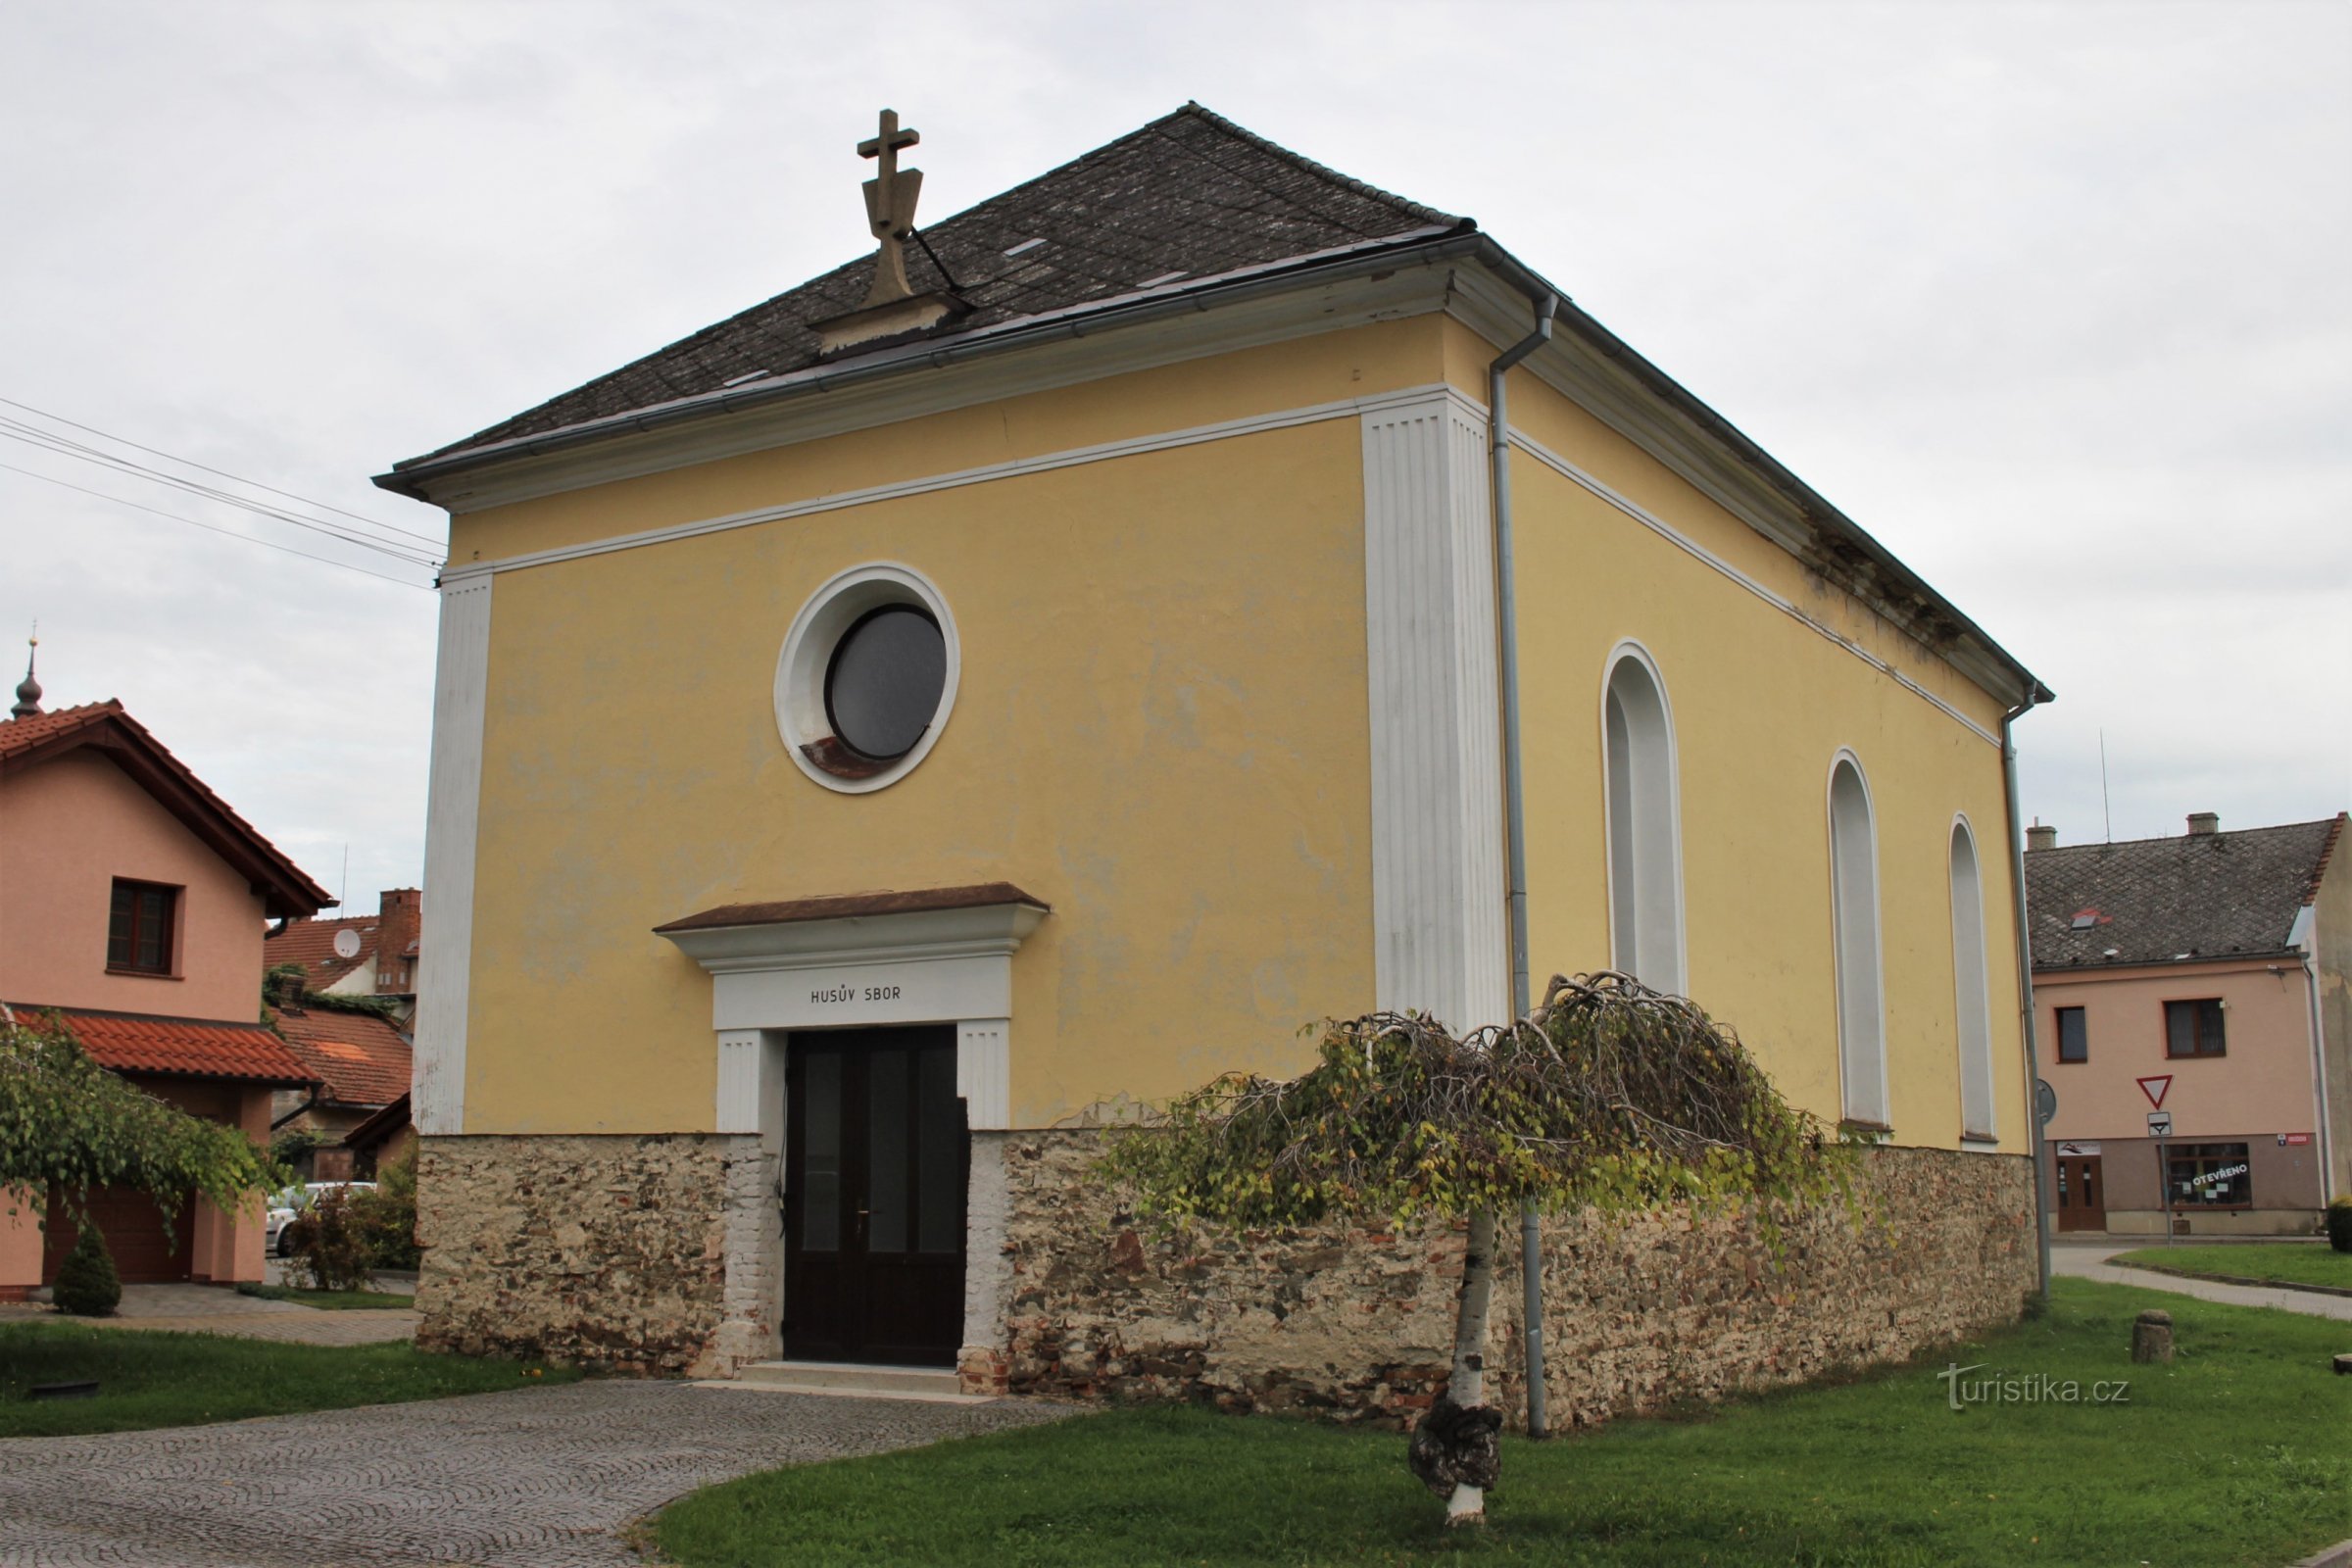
(330, 1239)
(387, 1213)
(2339, 1224)
(87, 1285)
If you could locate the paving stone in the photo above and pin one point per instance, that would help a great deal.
(537, 1477)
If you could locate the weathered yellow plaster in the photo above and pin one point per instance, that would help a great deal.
(1163, 731)
(1155, 734)
(1761, 704)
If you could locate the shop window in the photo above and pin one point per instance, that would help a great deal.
(2209, 1176)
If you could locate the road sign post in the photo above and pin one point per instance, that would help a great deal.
(2160, 1128)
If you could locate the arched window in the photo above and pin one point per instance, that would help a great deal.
(1973, 993)
(1855, 909)
(1644, 824)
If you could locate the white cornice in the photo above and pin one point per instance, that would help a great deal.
(1158, 441)
(989, 930)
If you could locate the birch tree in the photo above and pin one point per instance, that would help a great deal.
(1609, 1098)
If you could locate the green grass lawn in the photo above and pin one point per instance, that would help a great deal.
(176, 1380)
(2275, 1262)
(2233, 1454)
(334, 1300)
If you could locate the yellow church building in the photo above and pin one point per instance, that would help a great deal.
(1043, 665)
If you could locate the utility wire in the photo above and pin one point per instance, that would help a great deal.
(214, 527)
(191, 463)
(63, 445)
(66, 446)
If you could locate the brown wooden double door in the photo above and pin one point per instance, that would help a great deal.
(147, 1247)
(875, 1158)
(2081, 1193)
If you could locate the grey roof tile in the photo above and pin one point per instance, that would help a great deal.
(2156, 901)
(1191, 193)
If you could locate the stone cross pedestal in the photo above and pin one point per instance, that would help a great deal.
(889, 198)
(2152, 1337)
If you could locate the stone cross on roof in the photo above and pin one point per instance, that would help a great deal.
(889, 198)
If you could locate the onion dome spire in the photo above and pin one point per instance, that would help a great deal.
(29, 690)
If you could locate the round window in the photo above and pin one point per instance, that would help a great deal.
(866, 678)
(885, 681)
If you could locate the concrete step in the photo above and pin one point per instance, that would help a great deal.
(852, 1379)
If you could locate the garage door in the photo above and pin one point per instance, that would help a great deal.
(147, 1250)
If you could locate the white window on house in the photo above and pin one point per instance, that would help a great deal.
(1971, 987)
(1644, 825)
(1855, 911)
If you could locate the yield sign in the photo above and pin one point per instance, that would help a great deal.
(2154, 1089)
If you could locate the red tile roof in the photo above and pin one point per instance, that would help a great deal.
(22, 734)
(188, 1048)
(104, 727)
(358, 1058)
(311, 944)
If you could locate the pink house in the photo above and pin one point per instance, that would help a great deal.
(134, 902)
(2202, 982)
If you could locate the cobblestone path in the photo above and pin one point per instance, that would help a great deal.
(538, 1478)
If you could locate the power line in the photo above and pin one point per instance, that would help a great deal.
(65, 446)
(214, 527)
(256, 484)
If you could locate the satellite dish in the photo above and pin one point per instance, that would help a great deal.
(347, 944)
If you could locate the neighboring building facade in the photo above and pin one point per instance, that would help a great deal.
(381, 1139)
(358, 956)
(360, 1064)
(133, 901)
(862, 765)
(2214, 966)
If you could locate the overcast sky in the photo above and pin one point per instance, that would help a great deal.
(2052, 299)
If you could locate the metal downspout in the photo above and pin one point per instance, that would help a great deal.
(2024, 985)
(1499, 454)
(2319, 1060)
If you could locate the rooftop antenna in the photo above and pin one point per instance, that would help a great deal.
(2106, 808)
(343, 890)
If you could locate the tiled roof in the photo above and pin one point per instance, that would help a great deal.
(2161, 901)
(22, 734)
(1191, 195)
(188, 1048)
(311, 944)
(128, 743)
(360, 1058)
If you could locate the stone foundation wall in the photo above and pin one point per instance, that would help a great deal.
(638, 1255)
(1360, 1323)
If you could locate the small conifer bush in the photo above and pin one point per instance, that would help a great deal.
(87, 1285)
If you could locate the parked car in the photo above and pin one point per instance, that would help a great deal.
(285, 1206)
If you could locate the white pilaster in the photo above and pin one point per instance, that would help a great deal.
(984, 1072)
(1436, 708)
(453, 816)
